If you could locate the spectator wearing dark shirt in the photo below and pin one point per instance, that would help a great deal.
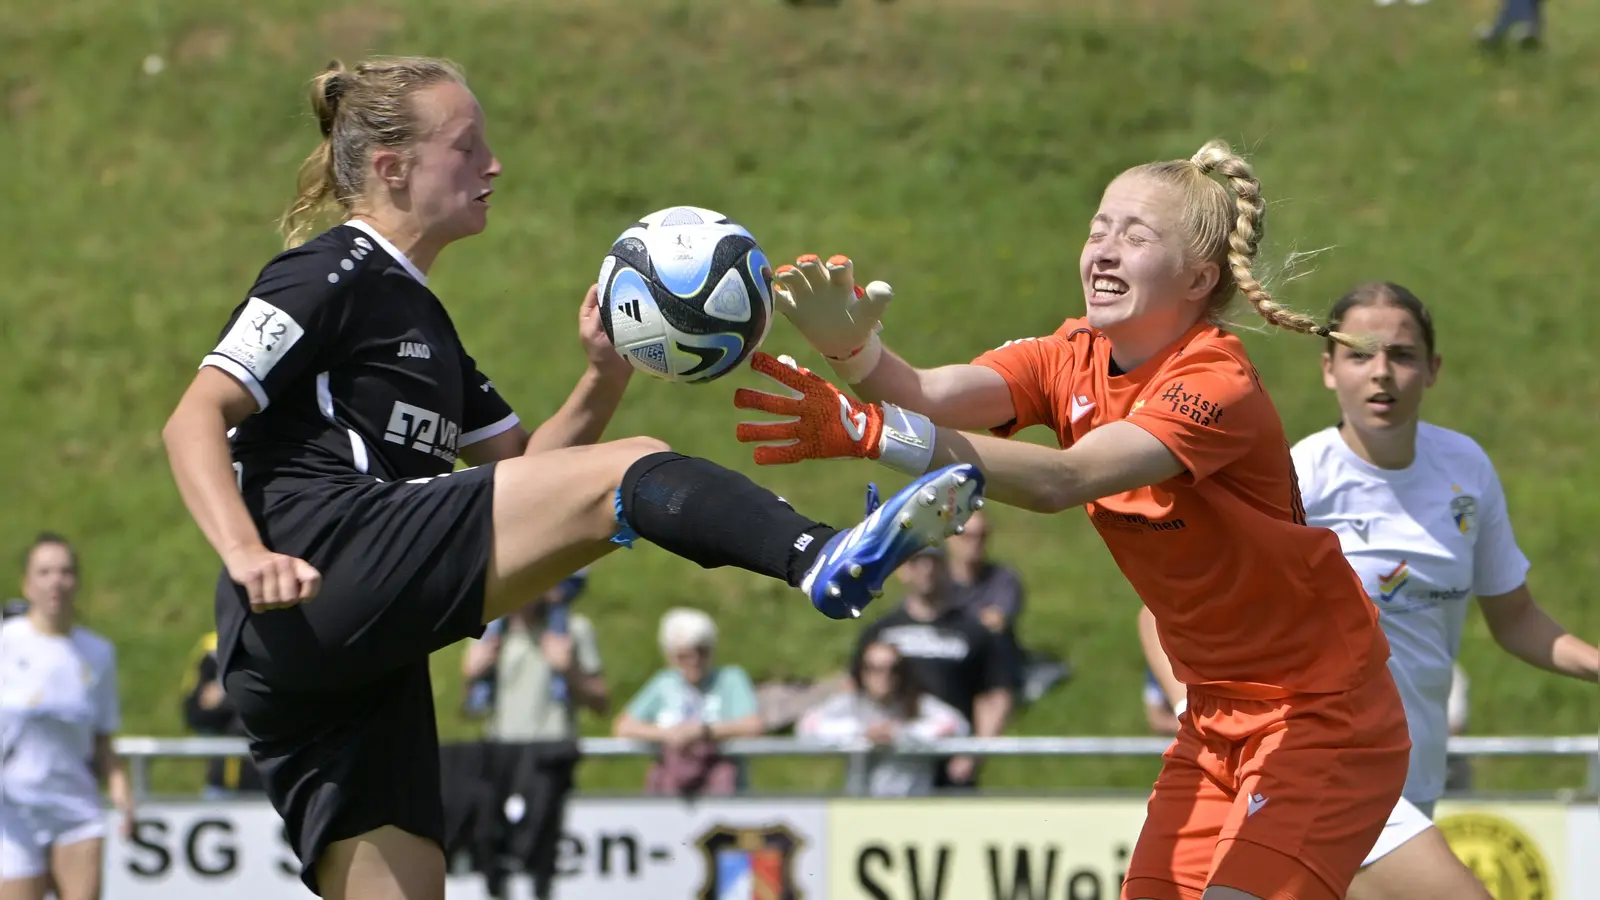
(988, 590)
(207, 710)
(951, 654)
(992, 593)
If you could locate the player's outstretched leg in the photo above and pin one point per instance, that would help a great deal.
(557, 511)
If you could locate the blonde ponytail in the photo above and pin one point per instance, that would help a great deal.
(356, 109)
(1243, 241)
(316, 191)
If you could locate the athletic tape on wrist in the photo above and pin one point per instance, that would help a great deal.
(907, 442)
(1180, 707)
(855, 368)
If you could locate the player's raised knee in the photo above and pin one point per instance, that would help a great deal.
(625, 454)
(642, 446)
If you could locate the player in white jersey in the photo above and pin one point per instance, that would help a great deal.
(1423, 520)
(58, 713)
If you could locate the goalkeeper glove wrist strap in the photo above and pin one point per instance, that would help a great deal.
(907, 441)
(855, 368)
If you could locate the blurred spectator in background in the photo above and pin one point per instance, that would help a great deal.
(1165, 697)
(952, 655)
(992, 593)
(688, 708)
(528, 676)
(1522, 18)
(532, 670)
(59, 712)
(1158, 712)
(888, 707)
(207, 710)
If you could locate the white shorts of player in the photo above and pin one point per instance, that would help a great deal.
(27, 834)
(1405, 822)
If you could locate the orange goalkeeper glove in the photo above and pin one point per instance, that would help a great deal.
(825, 424)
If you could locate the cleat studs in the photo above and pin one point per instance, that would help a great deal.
(875, 594)
(977, 503)
(927, 498)
(904, 520)
(855, 613)
(855, 570)
(834, 591)
(961, 478)
(960, 529)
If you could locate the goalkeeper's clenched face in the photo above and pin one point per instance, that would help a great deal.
(1138, 279)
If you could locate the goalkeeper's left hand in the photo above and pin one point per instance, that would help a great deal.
(836, 316)
(826, 424)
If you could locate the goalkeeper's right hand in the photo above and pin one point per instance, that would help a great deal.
(837, 318)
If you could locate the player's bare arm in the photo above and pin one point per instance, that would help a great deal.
(1155, 657)
(960, 396)
(202, 465)
(827, 424)
(1523, 628)
(582, 419)
(1111, 459)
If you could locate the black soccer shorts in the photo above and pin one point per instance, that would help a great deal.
(335, 694)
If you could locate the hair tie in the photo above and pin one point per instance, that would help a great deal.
(332, 92)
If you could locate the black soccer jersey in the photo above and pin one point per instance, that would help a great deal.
(355, 366)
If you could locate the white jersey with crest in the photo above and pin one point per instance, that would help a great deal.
(56, 694)
(1423, 539)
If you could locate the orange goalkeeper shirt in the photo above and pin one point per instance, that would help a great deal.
(1249, 601)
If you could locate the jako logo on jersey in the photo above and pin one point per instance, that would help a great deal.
(414, 350)
(424, 430)
(1389, 585)
(1196, 407)
(1464, 510)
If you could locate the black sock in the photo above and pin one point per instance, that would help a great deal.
(717, 517)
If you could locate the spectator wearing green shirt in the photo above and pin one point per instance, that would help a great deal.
(689, 708)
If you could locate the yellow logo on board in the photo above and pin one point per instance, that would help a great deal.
(1500, 855)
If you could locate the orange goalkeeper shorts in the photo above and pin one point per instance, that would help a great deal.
(1282, 798)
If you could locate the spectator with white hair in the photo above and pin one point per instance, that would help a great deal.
(691, 706)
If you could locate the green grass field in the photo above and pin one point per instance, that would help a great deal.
(953, 147)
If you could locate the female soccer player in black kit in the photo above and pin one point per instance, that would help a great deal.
(315, 450)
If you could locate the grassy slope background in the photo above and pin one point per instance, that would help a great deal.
(956, 149)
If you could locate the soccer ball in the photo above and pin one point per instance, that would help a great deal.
(686, 294)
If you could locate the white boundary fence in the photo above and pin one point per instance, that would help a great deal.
(140, 750)
(1071, 844)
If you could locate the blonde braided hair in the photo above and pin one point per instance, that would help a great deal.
(1225, 225)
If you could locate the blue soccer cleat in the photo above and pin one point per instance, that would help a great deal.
(850, 571)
